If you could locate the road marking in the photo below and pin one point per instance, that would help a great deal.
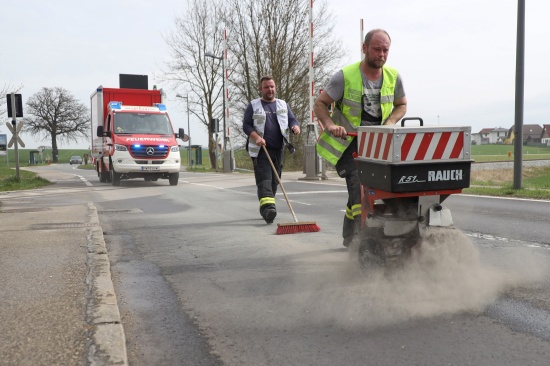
(84, 180)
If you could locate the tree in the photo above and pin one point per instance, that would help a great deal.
(262, 39)
(196, 33)
(274, 40)
(55, 113)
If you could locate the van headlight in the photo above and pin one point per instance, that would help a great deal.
(120, 147)
(175, 148)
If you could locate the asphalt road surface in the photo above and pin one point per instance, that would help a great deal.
(201, 279)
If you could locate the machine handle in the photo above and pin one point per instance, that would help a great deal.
(354, 134)
(412, 118)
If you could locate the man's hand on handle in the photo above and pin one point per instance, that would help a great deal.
(337, 131)
(260, 141)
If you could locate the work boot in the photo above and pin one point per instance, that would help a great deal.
(348, 240)
(270, 215)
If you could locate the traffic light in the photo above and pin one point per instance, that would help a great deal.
(214, 125)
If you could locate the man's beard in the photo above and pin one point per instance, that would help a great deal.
(375, 64)
(269, 98)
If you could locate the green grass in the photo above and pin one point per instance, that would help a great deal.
(509, 191)
(27, 180)
(535, 183)
(486, 153)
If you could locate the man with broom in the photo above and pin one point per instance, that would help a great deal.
(267, 122)
(366, 93)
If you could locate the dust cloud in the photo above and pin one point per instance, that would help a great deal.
(445, 275)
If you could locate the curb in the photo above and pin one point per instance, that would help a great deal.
(106, 342)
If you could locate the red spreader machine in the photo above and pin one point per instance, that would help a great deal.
(406, 172)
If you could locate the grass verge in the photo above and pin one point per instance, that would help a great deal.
(27, 180)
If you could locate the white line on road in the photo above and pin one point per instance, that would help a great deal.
(84, 180)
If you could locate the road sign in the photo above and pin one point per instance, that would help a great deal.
(185, 137)
(10, 127)
(19, 141)
(18, 105)
(15, 131)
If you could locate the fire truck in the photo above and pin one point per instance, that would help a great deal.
(132, 136)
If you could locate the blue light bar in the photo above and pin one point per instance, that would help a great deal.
(115, 105)
(160, 106)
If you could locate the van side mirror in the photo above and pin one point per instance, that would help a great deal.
(181, 132)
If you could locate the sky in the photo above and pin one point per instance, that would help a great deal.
(457, 58)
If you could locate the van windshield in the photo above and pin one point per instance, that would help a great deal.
(142, 123)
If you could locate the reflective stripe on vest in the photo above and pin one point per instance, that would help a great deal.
(259, 117)
(331, 148)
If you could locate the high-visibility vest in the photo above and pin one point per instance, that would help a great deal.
(259, 117)
(348, 112)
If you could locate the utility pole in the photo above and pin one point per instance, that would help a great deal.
(518, 125)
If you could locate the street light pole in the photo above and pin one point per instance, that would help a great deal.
(188, 129)
(208, 54)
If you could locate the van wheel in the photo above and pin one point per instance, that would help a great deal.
(173, 178)
(115, 178)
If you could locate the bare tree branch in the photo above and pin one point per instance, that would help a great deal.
(190, 72)
(263, 38)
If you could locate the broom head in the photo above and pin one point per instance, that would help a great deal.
(297, 227)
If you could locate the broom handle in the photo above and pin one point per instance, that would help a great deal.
(280, 183)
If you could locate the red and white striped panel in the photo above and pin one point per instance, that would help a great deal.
(415, 146)
(375, 145)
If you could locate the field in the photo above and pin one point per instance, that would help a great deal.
(484, 153)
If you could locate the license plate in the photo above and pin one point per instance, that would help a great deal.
(149, 168)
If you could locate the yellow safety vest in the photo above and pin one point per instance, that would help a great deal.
(348, 112)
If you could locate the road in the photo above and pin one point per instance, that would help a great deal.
(202, 280)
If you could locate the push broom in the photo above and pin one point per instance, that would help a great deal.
(296, 226)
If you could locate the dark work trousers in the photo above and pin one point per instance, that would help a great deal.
(347, 168)
(352, 217)
(266, 181)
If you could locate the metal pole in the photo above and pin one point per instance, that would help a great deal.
(520, 71)
(361, 31)
(223, 86)
(189, 133)
(14, 124)
(216, 148)
(188, 129)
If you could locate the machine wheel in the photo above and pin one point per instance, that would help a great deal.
(370, 255)
(173, 178)
(115, 178)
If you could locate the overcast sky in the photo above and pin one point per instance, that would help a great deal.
(457, 58)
